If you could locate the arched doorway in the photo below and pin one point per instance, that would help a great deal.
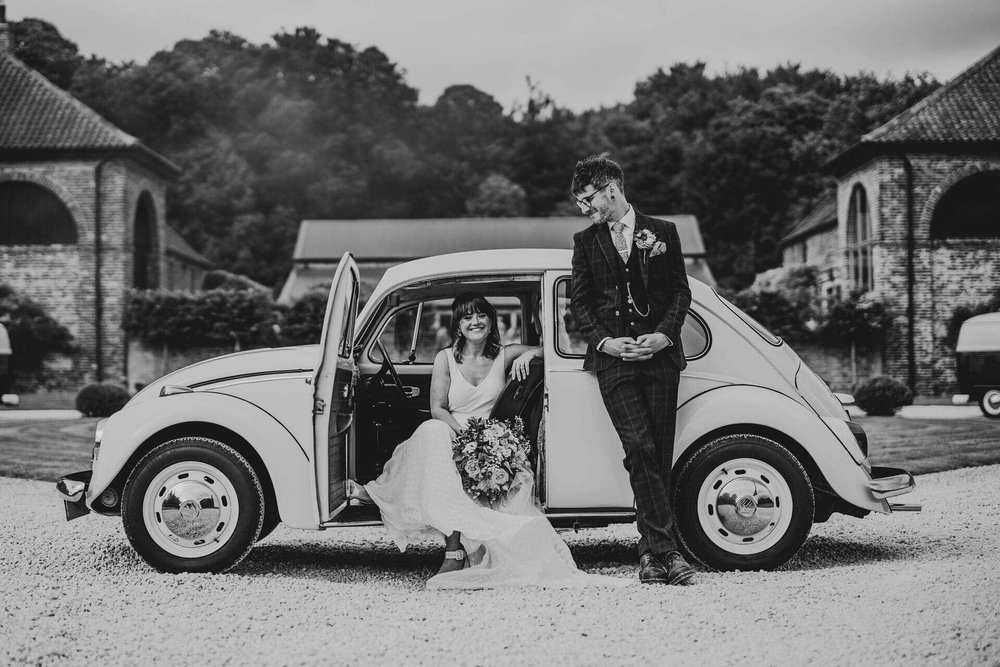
(31, 214)
(145, 268)
(969, 209)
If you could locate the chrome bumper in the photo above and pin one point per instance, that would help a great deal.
(73, 490)
(889, 482)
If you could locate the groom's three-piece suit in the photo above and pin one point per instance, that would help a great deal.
(609, 297)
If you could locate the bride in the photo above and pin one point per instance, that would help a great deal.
(420, 494)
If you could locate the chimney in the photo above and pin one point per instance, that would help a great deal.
(4, 29)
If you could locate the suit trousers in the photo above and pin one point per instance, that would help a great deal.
(641, 399)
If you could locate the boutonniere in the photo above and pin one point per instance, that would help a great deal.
(645, 240)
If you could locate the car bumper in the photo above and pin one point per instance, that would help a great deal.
(72, 489)
(889, 482)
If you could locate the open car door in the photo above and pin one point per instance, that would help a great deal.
(333, 386)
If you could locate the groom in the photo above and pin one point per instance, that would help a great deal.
(629, 297)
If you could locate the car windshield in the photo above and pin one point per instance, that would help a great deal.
(759, 328)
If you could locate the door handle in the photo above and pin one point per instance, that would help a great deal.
(411, 392)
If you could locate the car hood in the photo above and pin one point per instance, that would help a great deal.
(270, 361)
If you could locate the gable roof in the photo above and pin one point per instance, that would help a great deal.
(400, 239)
(38, 116)
(965, 111)
(822, 217)
(178, 247)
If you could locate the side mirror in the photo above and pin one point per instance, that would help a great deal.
(845, 399)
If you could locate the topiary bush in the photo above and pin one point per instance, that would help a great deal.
(101, 400)
(882, 396)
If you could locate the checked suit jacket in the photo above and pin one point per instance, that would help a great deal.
(598, 301)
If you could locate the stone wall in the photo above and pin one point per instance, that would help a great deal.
(62, 277)
(947, 272)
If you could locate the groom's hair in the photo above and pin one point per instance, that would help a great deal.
(596, 170)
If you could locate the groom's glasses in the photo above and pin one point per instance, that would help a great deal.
(585, 203)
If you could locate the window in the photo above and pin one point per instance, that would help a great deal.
(433, 333)
(970, 209)
(859, 241)
(347, 324)
(695, 336)
(32, 215)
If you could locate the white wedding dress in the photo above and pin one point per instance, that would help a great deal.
(420, 495)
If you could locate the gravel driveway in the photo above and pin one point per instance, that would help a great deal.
(904, 589)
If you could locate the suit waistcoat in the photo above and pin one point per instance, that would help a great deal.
(630, 282)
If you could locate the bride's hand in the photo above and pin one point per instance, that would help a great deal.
(521, 366)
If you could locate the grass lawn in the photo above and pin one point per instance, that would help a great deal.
(46, 450)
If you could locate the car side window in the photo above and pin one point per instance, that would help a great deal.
(695, 336)
(433, 333)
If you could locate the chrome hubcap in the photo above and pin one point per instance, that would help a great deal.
(190, 509)
(744, 506)
(991, 401)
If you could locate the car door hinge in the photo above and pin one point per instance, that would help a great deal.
(319, 406)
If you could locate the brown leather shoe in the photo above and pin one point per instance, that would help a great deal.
(679, 573)
(651, 570)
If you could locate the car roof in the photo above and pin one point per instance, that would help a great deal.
(508, 260)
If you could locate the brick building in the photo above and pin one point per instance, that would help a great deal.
(82, 215)
(918, 220)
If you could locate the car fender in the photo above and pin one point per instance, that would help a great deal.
(719, 409)
(288, 461)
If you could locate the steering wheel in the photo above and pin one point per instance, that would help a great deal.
(387, 369)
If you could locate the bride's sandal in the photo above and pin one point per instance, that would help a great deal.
(453, 560)
(355, 491)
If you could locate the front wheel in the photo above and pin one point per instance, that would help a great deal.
(743, 502)
(193, 505)
(989, 403)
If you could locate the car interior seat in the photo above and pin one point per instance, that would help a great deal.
(523, 398)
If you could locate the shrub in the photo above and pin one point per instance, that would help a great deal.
(34, 334)
(216, 317)
(882, 396)
(775, 311)
(101, 400)
(860, 319)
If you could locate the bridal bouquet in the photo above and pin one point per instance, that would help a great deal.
(489, 453)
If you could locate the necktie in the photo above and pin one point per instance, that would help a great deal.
(619, 240)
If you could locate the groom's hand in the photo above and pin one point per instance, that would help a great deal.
(616, 347)
(647, 345)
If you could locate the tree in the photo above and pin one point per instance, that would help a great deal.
(497, 197)
(39, 45)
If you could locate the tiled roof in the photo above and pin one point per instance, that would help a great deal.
(176, 245)
(967, 108)
(823, 216)
(963, 113)
(35, 114)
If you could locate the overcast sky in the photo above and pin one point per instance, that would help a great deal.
(584, 54)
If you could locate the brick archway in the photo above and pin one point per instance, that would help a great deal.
(939, 191)
(10, 175)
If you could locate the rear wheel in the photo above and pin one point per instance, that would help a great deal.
(743, 502)
(989, 403)
(193, 505)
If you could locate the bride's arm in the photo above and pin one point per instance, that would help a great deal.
(518, 357)
(440, 383)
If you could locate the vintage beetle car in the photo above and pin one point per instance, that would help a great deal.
(977, 363)
(207, 460)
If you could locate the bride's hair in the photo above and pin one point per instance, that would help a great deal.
(467, 304)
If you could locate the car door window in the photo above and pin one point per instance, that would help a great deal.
(433, 332)
(695, 336)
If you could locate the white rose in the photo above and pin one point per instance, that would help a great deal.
(500, 476)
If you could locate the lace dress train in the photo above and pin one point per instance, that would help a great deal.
(420, 495)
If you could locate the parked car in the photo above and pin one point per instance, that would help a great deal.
(977, 363)
(206, 461)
